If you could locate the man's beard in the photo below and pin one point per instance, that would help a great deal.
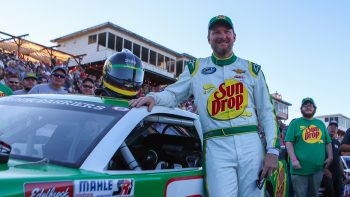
(220, 51)
(307, 115)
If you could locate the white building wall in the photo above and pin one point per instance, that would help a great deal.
(95, 52)
(343, 122)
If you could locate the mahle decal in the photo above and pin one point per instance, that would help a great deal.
(312, 134)
(228, 101)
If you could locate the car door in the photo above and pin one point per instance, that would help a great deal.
(166, 153)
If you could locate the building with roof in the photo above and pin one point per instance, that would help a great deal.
(162, 65)
(343, 121)
(281, 106)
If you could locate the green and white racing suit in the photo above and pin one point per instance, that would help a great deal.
(232, 97)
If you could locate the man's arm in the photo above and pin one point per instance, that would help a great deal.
(293, 157)
(267, 119)
(345, 144)
(171, 96)
(329, 159)
(266, 114)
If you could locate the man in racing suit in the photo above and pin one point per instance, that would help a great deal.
(228, 92)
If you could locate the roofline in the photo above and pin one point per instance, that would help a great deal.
(284, 102)
(332, 115)
(118, 28)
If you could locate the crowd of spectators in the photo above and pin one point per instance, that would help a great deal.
(21, 75)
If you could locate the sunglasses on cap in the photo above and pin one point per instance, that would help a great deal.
(87, 86)
(59, 75)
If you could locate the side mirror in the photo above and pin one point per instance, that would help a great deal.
(5, 150)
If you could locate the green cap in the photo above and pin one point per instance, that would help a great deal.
(220, 19)
(29, 75)
(308, 99)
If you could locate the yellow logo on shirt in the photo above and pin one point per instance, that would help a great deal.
(312, 134)
(228, 101)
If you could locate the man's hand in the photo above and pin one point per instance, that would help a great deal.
(327, 173)
(296, 164)
(147, 101)
(328, 162)
(270, 164)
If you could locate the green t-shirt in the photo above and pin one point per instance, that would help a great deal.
(5, 90)
(309, 138)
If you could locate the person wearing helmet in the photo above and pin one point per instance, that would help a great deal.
(122, 76)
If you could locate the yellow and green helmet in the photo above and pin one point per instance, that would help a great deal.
(123, 73)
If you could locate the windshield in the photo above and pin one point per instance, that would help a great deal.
(63, 134)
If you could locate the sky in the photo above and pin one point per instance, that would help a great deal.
(302, 46)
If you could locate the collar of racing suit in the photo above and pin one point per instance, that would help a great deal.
(223, 62)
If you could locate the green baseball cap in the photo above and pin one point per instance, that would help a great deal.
(30, 75)
(308, 99)
(220, 19)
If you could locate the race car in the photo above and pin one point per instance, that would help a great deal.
(74, 145)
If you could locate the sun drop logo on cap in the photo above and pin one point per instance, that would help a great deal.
(228, 101)
(312, 134)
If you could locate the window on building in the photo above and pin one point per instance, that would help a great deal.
(160, 61)
(170, 64)
(179, 67)
(152, 58)
(92, 39)
(136, 49)
(331, 118)
(102, 39)
(326, 119)
(111, 41)
(336, 119)
(127, 44)
(167, 63)
(144, 56)
(119, 44)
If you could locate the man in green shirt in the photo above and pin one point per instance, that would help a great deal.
(307, 141)
(5, 90)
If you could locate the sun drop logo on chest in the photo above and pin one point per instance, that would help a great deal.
(312, 134)
(228, 101)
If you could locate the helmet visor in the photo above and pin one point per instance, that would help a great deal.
(127, 72)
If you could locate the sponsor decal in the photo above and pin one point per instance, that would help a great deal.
(281, 181)
(239, 77)
(208, 70)
(207, 88)
(59, 102)
(104, 187)
(228, 101)
(130, 61)
(238, 71)
(191, 186)
(49, 189)
(312, 134)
